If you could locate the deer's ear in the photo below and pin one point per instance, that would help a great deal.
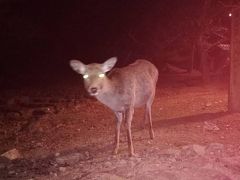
(108, 65)
(78, 66)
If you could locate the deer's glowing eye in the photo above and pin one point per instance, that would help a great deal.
(85, 76)
(101, 75)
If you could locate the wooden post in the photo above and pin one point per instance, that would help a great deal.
(234, 89)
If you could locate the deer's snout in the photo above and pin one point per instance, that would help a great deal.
(94, 86)
(93, 90)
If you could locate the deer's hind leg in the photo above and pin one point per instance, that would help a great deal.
(148, 114)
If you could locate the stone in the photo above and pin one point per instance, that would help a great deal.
(103, 176)
(171, 151)
(208, 104)
(70, 159)
(200, 150)
(122, 162)
(11, 172)
(87, 154)
(188, 151)
(57, 154)
(210, 126)
(12, 154)
(215, 148)
(108, 164)
(62, 169)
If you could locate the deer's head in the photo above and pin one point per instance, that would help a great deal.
(94, 74)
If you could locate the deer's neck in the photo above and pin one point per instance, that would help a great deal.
(108, 89)
(109, 95)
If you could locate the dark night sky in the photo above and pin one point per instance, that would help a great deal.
(38, 38)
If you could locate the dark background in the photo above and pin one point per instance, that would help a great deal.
(38, 38)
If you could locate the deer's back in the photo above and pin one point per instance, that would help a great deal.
(135, 82)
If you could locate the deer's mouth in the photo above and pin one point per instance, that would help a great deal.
(93, 94)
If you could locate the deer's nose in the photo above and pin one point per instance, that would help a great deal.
(93, 90)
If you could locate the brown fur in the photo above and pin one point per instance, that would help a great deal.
(122, 90)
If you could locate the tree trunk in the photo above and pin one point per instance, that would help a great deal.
(192, 58)
(202, 44)
(205, 67)
(204, 63)
(234, 89)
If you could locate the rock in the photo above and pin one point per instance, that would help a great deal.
(103, 176)
(200, 150)
(53, 174)
(208, 104)
(57, 154)
(137, 159)
(87, 154)
(39, 144)
(12, 154)
(210, 126)
(215, 148)
(159, 174)
(149, 142)
(11, 172)
(216, 145)
(62, 169)
(108, 164)
(70, 159)
(170, 151)
(122, 162)
(187, 152)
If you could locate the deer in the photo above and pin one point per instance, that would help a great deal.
(122, 90)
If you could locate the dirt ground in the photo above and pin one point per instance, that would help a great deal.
(64, 134)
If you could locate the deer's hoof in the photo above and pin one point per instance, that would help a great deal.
(151, 135)
(115, 151)
(132, 155)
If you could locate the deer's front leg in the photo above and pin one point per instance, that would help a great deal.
(129, 116)
(119, 117)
